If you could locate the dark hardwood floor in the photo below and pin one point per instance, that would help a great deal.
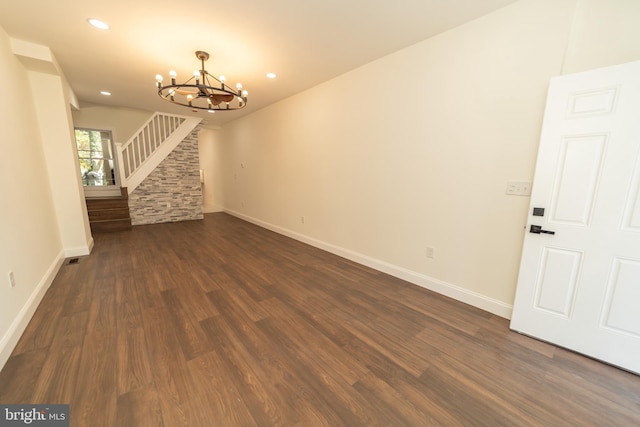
(221, 323)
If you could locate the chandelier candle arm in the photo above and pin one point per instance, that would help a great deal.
(202, 95)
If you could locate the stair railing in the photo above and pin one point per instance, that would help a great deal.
(134, 156)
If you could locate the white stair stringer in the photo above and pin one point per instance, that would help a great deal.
(153, 146)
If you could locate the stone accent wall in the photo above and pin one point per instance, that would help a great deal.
(172, 192)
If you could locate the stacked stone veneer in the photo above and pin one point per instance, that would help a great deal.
(172, 192)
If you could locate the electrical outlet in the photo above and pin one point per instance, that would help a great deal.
(518, 188)
(430, 252)
(12, 280)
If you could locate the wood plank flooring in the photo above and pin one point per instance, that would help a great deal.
(221, 323)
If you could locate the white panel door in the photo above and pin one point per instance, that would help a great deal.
(579, 280)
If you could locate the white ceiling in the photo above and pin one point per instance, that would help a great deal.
(304, 42)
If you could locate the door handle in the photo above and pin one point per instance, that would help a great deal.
(537, 229)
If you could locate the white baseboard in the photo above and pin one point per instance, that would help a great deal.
(458, 293)
(212, 209)
(79, 250)
(19, 324)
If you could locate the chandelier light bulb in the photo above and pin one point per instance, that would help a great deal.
(159, 78)
(245, 93)
(222, 79)
(173, 74)
(196, 74)
(239, 86)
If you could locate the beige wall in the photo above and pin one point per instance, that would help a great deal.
(122, 122)
(58, 141)
(30, 242)
(605, 32)
(415, 149)
(208, 147)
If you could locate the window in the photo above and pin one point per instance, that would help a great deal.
(95, 156)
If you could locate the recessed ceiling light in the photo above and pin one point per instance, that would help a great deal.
(271, 75)
(105, 93)
(98, 24)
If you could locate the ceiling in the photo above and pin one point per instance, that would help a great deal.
(305, 43)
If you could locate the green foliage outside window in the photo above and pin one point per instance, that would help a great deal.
(95, 167)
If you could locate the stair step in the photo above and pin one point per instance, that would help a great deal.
(111, 225)
(109, 214)
(107, 203)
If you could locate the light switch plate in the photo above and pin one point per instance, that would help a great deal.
(518, 188)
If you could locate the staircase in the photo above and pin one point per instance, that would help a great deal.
(154, 141)
(108, 214)
(137, 158)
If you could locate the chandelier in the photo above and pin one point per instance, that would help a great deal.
(203, 91)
